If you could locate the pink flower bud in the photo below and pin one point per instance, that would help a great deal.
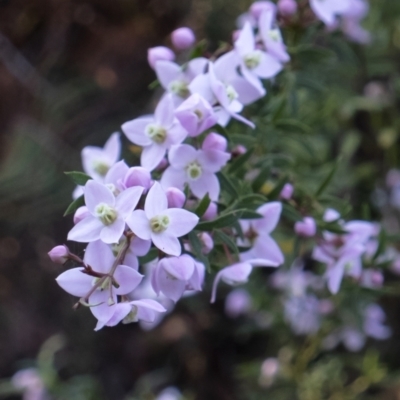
(287, 7)
(207, 242)
(238, 302)
(287, 191)
(259, 6)
(215, 141)
(183, 38)
(270, 367)
(211, 212)
(306, 228)
(159, 53)
(162, 165)
(59, 254)
(138, 176)
(80, 214)
(238, 150)
(176, 198)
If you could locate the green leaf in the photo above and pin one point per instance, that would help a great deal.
(203, 205)
(222, 131)
(196, 246)
(227, 185)
(221, 222)
(198, 50)
(150, 256)
(333, 227)
(381, 245)
(325, 183)
(262, 177)
(275, 192)
(79, 202)
(249, 214)
(240, 161)
(292, 125)
(80, 178)
(250, 201)
(291, 213)
(222, 237)
(153, 85)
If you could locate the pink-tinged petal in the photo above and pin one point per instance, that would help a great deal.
(146, 315)
(207, 183)
(127, 201)
(173, 178)
(150, 304)
(116, 173)
(266, 248)
(75, 282)
(112, 233)
(99, 256)
(140, 247)
(155, 278)
(131, 260)
(95, 194)
(181, 155)
(248, 92)
(218, 88)
(101, 309)
(135, 130)
(225, 67)
(167, 243)
(267, 18)
(176, 134)
(91, 155)
(171, 287)
(181, 221)
(245, 42)
(188, 120)
(197, 279)
(181, 268)
(268, 67)
(324, 11)
(87, 230)
(113, 147)
(201, 85)
(271, 213)
(262, 262)
(322, 254)
(213, 160)
(121, 310)
(167, 72)
(151, 156)
(127, 278)
(196, 67)
(278, 50)
(156, 201)
(164, 113)
(223, 117)
(334, 276)
(243, 120)
(139, 224)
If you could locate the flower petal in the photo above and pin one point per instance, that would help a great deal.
(156, 201)
(113, 147)
(164, 113)
(271, 213)
(167, 72)
(75, 282)
(87, 230)
(96, 193)
(99, 256)
(167, 243)
(127, 278)
(135, 130)
(152, 155)
(181, 221)
(173, 178)
(139, 224)
(127, 201)
(112, 233)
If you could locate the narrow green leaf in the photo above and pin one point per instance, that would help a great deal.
(221, 222)
(196, 246)
(222, 237)
(150, 256)
(325, 183)
(333, 227)
(79, 202)
(291, 213)
(222, 131)
(275, 192)
(198, 50)
(80, 178)
(292, 125)
(381, 244)
(249, 214)
(227, 185)
(250, 201)
(153, 85)
(240, 161)
(262, 177)
(203, 205)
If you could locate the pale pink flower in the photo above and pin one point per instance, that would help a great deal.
(59, 254)
(328, 10)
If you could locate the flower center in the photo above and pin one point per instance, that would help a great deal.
(101, 167)
(159, 223)
(112, 187)
(180, 88)
(231, 93)
(106, 214)
(194, 170)
(156, 133)
(275, 35)
(132, 316)
(199, 114)
(252, 60)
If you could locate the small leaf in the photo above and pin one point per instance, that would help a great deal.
(150, 256)
(222, 237)
(240, 161)
(196, 246)
(291, 213)
(79, 202)
(80, 178)
(325, 183)
(221, 222)
(222, 131)
(227, 185)
(250, 201)
(381, 245)
(249, 214)
(292, 125)
(198, 50)
(332, 227)
(153, 85)
(262, 177)
(275, 192)
(203, 205)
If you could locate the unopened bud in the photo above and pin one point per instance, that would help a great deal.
(215, 141)
(259, 6)
(183, 38)
(287, 191)
(138, 176)
(306, 228)
(59, 254)
(287, 7)
(159, 53)
(207, 242)
(211, 212)
(80, 214)
(238, 150)
(176, 198)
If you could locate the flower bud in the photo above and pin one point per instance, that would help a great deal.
(183, 38)
(137, 176)
(306, 228)
(207, 242)
(287, 191)
(80, 214)
(159, 53)
(211, 212)
(287, 7)
(215, 141)
(59, 254)
(176, 198)
(238, 150)
(238, 302)
(258, 7)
